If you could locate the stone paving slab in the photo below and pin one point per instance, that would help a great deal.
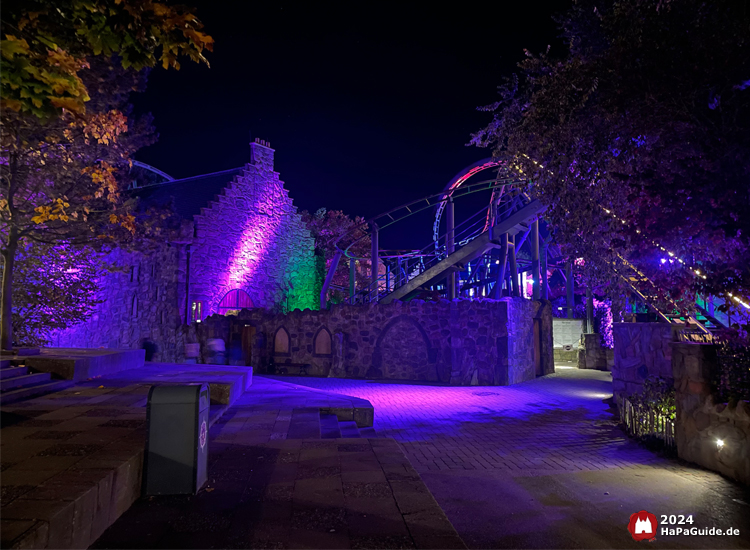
(270, 393)
(227, 383)
(334, 493)
(72, 461)
(82, 363)
(543, 464)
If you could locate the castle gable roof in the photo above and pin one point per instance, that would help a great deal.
(189, 195)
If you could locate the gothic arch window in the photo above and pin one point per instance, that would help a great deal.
(233, 301)
(281, 342)
(322, 342)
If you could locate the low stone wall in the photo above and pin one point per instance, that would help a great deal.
(713, 435)
(593, 355)
(458, 342)
(641, 350)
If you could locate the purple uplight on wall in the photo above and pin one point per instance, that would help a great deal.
(250, 248)
(603, 313)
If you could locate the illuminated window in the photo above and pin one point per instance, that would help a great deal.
(196, 312)
(234, 301)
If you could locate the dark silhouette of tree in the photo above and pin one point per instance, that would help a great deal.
(638, 140)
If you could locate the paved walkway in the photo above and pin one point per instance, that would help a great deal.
(543, 464)
(273, 483)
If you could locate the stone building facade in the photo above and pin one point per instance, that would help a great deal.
(459, 342)
(242, 244)
(641, 350)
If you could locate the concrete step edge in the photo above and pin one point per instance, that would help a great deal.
(12, 372)
(349, 429)
(22, 381)
(329, 426)
(13, 396)
(305, 424)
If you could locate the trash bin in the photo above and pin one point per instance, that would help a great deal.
(176, 459)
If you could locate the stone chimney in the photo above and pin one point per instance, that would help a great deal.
(261, 154)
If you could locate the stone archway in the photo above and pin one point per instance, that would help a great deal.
(404, 352)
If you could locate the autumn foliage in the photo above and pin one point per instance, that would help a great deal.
(68, 132)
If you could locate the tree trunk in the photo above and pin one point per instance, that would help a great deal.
(6, 308)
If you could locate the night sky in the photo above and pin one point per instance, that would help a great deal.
(367, 106)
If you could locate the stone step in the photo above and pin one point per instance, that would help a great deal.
(13, 396)
(305, 423)
(368, 432)
(12, 372)
(329, 426)
(4, 363)
(24, 380)
(349, 429)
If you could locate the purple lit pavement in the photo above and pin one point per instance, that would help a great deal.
(542, 464)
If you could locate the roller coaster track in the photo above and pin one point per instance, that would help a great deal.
(510, 212)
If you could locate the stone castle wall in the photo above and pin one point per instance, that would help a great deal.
(250, 238)
(700, 424)
(641, 350)
(146, 300)
(456, 342)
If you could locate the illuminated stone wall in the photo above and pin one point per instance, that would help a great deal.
(250, 237)
(253, 239)
(457, 342)
(146, 300)
(641, 350)
(714, 435)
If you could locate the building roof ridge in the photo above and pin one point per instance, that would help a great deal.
(218, 173)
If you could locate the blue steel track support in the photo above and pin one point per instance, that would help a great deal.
(450, 245)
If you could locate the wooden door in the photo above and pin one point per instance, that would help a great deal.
(248, 339)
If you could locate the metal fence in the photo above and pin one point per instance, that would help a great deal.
(647, 424)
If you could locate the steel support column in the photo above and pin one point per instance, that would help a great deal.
(545, 283)
(513, 269)
(374, 253)
(450, 244)
(501, 267)
(535, 294)
(352, 277)
(569, 287)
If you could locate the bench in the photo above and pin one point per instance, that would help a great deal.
(292, 368)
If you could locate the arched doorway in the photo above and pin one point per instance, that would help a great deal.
(233, 301)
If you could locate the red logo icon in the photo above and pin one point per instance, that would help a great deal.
(642, 526)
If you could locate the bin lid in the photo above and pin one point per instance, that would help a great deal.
(184, 394)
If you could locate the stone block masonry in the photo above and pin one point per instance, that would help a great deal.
(641, 350)
(252, 238)
(456, 342)
(245, 237)
(716, 436)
